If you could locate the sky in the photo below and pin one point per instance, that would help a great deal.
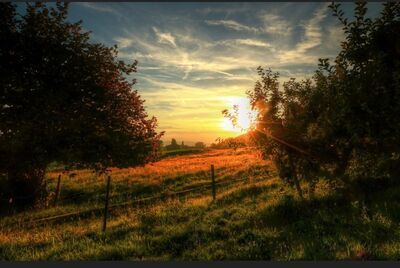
(196, 59)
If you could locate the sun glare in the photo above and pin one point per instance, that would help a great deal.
(246, 117)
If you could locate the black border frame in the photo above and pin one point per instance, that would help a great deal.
(195, 264)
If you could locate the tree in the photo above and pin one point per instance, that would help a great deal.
(174, 143)
(232, 143)
(64, 98)
(200, 145)
(343, 123)
(173, 146)
(281, 127)
(183, 146)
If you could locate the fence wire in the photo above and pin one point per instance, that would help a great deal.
(161, 195)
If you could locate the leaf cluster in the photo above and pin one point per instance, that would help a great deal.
(66, 98)
(343, 123)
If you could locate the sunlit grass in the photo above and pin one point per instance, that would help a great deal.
(255, 219)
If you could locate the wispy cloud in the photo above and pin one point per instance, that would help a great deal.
(252, 42)
(275, 24)
(197, 55)
(123, 42)
(100, 7)
(224, 10)
(335, 34)
(165, 38)
(313, 32)
(231, 24)
(246, 42)
(191, 109)
(189, 68)
(311, 39)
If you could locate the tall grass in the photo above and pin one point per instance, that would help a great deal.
(258, 219)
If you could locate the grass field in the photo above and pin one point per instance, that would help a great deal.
(255, 219)
(186, 151)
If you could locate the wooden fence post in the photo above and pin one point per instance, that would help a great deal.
(45, 186)
(44, 194)
(213, 182)
(57, 189)
(106, 204)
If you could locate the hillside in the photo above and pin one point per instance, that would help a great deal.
(253, 218)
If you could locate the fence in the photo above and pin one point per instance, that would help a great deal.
(106, 207)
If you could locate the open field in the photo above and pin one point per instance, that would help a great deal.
(253, 219)
(186, 151)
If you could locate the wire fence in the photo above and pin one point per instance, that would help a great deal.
(127, 203)
(135, 201)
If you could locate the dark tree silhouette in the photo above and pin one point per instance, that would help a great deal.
(200, 144)
(343, 124)
(174, 143)
(173, 146)
(64, 98)
(183, 146)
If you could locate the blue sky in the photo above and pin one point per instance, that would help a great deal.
(196, 59)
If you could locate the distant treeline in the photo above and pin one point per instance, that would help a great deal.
(175, 146)
(234, 143)
(220, 143)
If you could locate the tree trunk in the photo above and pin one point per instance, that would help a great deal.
(295, 178)
(25, 185)
(297, 184)
(311, 189)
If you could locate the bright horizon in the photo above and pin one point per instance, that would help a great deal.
(196, 59)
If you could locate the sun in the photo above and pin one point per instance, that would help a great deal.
(227, 124)
(246, 117)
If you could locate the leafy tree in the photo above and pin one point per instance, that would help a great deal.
(174, 143)
(183, 146)
(231, 143)
(364, 88)
(173, 146)
(281, 129)
(64, 98)
(200, 145)
(341, 124)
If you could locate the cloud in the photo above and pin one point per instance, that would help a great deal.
(313, 33)
(225, 10)
(193, 74)
(165, 38)
(231, 24)
(335, 36)
(187, 72)
(100, 7)
(150, 68)
(123, 42)
(275, 24)
(252, 42)
(187, 69)
(312, 38)
(191, 109)
(198, 56)
(246, 42)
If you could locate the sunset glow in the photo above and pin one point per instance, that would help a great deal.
(245, 116)
(197, 59)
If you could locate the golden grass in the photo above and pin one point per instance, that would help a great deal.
(258, 218)
(224, 161)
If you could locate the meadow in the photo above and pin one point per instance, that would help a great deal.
(257, 218)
